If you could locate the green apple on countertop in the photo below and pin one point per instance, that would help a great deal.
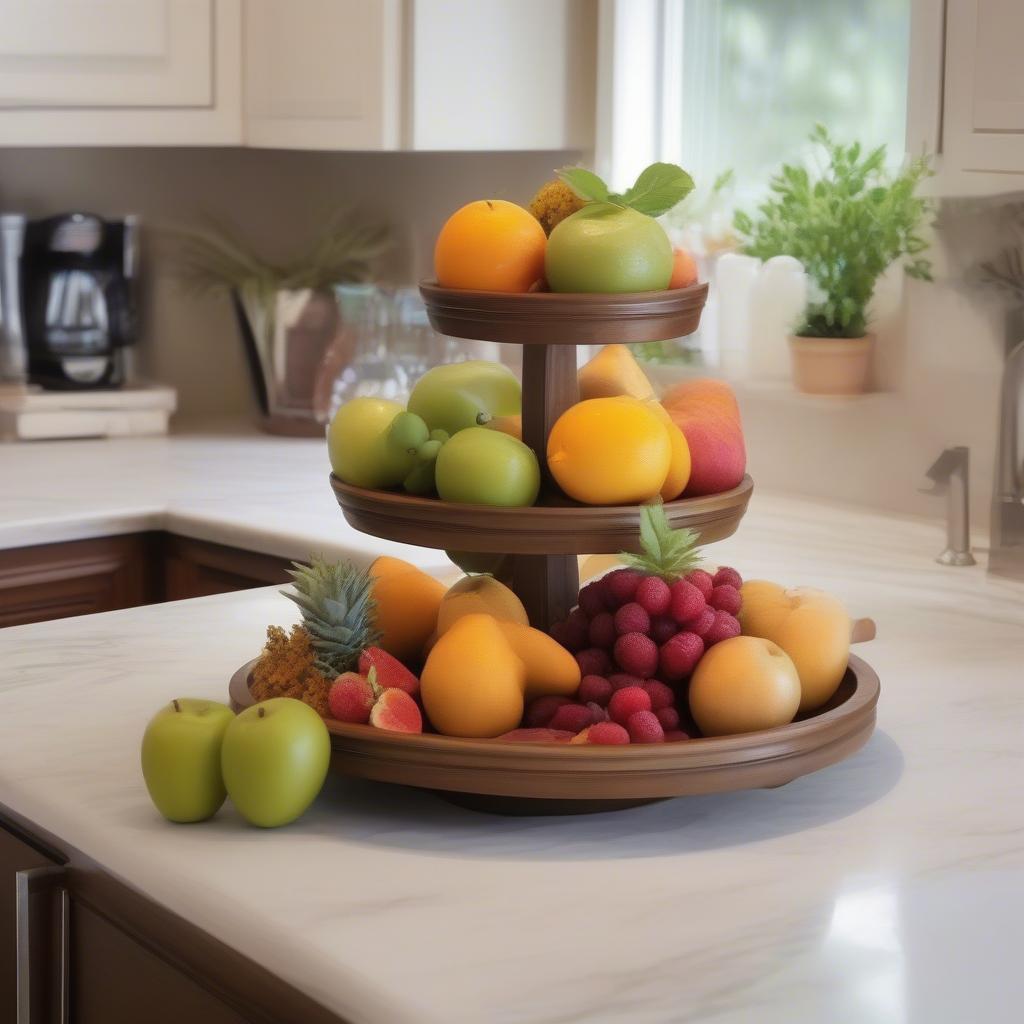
(181, 751)
(274, 760)
(455, 396)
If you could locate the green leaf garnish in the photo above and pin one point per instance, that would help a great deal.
(658, 189)
(667, 553)
(586, 184)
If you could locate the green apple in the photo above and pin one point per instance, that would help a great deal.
(454, 396)
(274, 760)
(181, 758)
(357, 442)
(605, 248)
(479, 466)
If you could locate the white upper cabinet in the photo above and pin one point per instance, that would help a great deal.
(136, 72)
(967, 92)
(420, 74)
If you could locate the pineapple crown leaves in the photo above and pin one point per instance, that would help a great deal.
(667, 553)
(338, 611)
(657, 189)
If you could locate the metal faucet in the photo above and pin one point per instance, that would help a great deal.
(1006, 555)
(949, 474)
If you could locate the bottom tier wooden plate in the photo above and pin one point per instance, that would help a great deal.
(519, 778)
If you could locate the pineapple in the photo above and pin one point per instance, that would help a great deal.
(337, 611)
(667, 553)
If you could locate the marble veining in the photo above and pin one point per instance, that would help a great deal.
(887, 889)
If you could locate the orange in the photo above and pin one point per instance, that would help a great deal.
(610, 451)
(490, 245)
(679, 468)
(684, 269)
(613, 371)
(408, 601)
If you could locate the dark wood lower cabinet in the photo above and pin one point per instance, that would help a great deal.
(54, 581)
(97, 952)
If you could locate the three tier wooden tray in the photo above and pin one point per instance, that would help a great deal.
(541, 544)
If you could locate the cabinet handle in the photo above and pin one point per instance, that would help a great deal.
(32, 882)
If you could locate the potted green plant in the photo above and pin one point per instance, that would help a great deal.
(846, 225)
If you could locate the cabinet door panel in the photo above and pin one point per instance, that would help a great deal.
(195, 568)
(115, 979)
(106, 53)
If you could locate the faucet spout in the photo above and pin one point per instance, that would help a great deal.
(949, 474)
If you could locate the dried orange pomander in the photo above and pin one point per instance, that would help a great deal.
(490, 245)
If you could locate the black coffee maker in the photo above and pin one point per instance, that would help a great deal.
(73, 279)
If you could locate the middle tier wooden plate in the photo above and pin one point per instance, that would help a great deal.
(535, 530)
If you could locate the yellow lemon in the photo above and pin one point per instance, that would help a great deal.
(610, 451)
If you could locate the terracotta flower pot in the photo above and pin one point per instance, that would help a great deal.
(831, 366)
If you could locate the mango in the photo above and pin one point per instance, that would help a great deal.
(474, 595)
(550, 668)
(408, 601)
(612, 372)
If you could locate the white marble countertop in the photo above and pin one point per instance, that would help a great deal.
(886, 889)
(224, 483)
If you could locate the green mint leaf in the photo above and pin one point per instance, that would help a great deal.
(658, 189)
(586, 184)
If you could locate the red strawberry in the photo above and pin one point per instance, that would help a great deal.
(636, 654)
(602, 631)
(351, 698)
(620, 586)
(396, 711)
(631, 618)
(628, 702)
(572, 718)
(724, 627)
(607, 734)
(726, 577)
(702, 623)
(663, 627)
(594, 689)
(653, 595)
(687, 601)
(593, 661)
(662, 695)
(678, 657)
(644, 727)
(542, 710)
(702, 580)
(591, 599)
(391, 673)
(669, 718)
(725, 598)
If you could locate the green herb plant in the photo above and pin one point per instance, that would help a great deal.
(846, 227)
(657, 189)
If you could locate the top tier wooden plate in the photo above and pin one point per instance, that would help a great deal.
(549, 318)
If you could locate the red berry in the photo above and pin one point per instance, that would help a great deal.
(607, 734)
(662, 628)
(644, 727)
(571, 717)
(620, 680)
(725, 598)
(542, 710)
(668, 717)
(591, 599)
(724, 627)
(594, 689)
(631, 618)
(351, 698)
(687, 601)
(653, 595)
(559, 632)
(602, 630)
(678, 657)
(597, 713)
(701, 580)
(396, 711)
(576, 631)
(636, 654)
(662, 695)
(628, 702)
(620, 586)
(675, 735)
(388, 671)
(726, 577)
(594, 662)
(702, 623)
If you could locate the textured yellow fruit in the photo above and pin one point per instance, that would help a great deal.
(472, 683)
(614, 371)
(407, 601)
(812, 627)
(679, 467)
(476, 595)
(549, 667)
(610, 451)
(743, 684)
